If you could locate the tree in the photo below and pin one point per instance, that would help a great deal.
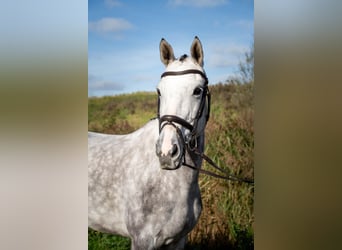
(245, 73)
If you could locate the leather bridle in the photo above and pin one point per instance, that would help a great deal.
(190, 141)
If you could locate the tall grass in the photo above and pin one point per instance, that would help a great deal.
(227, 218)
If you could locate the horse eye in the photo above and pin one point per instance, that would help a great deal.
(197, 91)
(158, 92)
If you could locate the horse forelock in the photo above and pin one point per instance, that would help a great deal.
(184, 62)
(183, 57)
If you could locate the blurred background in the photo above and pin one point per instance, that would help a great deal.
(44, 99)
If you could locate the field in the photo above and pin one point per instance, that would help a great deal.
(227, 217)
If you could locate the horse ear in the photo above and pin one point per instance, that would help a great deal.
(197, 51)
(166, 52)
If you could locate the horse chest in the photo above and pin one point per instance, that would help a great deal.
(162, 210)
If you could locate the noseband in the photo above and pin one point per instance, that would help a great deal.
(191, 141)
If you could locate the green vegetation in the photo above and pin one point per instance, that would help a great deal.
(120, 114)
(227, 218)
(102, 241)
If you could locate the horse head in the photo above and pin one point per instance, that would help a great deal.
(183, 104)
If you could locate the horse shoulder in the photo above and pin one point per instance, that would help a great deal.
(112, 161)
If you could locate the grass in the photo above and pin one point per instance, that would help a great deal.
(227, 218)
(102, 241)
(120, 114)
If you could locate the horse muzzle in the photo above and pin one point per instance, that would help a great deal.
(169, 150)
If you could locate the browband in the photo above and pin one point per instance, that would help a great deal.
(184, 72)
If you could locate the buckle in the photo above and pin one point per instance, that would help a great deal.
(192, 143)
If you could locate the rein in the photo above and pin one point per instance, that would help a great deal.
(191, 143)
(227, 175)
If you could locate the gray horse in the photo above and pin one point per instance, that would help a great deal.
(144, 185)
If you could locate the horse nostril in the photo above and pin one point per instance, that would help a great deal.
(174, 150)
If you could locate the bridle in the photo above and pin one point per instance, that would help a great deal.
(205, 95)
(190, 142)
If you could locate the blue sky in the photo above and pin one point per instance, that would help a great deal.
(124, 36)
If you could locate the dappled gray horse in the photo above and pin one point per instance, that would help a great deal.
(144, 185)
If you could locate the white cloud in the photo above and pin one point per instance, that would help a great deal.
(109, 24)
(103, 85)
(135, 70)
(245, 24)
(198, 3)
(97, 84)
(112, 3)
(227, 55)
